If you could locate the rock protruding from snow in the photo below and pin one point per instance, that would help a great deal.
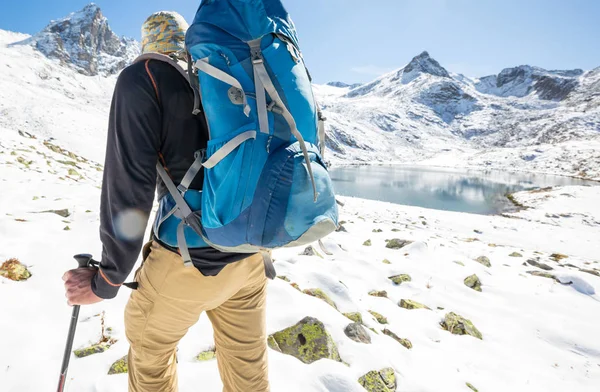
(383, 380)
(85, 40)
(343, 85)
(358, 333)
(459, 325)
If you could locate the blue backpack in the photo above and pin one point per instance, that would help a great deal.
(265, 183)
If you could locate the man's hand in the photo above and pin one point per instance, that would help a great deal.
(78, 285)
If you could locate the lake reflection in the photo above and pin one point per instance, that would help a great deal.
(478, 192)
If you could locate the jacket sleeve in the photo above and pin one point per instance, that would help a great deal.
(129, 182)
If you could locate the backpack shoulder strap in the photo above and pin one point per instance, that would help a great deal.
(164, 59)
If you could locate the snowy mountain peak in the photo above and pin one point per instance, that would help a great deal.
(85, 40)
(343, 85)
(424, 63)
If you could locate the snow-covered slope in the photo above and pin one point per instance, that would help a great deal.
(84, 40)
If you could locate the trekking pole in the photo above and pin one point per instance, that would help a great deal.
(84, 261)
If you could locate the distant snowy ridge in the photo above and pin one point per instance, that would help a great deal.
(85, 40)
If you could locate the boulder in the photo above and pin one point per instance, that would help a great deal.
(473, 282)
(318, 293)
(484, 261)
(13, 269)
(120, 366)
(383, 380)
(308, 341)
(358, 333)
(397, 243)
(410, 304)
(367, 243)
(539, 265)
(405, 342)
(399, 279)
(459, 325)
(543, 274)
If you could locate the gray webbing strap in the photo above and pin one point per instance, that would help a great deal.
(183, 248)
(191, 173)
(261, 99)
(225, 78)
(321, 124)
(231, 145)
(181, 204)
(261, 71)
(269, 267)
(164, 59)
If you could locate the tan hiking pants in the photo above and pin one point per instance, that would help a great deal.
(170, 299)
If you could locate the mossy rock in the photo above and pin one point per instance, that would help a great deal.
(73, 172)
(395, 230)
(558, 256)
(367, 243)
(207, 355)
(471, 387)
(121, 366)
(380, 318)
(67, 228)
(399, 279)
(386, 261)
(410, 304)
(405, 342)
(13, 269)
(459, 325)
(357, 332)
(473, 282)
(543, 274)
(515, 254)
(91, 350)
(383, 380)
(539, 265)
(484, 260)
(308, 341)
(273, 344)
(318, 293)
(284, 278)
(378, 293)
(397, 243)
(354, 316)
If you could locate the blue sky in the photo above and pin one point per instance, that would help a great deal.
(357, 40)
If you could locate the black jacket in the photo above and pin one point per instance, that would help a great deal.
(150, 120)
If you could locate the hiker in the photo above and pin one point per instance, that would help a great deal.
(151, 120)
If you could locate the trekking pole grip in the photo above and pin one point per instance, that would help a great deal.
(85, 260)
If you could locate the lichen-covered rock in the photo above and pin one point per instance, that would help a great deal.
(13, 269)
(383, 380)
(377, 231)
(542, 274)
(354, 316)
(484, 260)
(399, 279)
(64, 213)
(459, 263)
(308, 341)
(558, 256)
(367, 243)
(539, 265)
(473, 282)
(273, 344)
(284, 278)
(207, 355)
(405, 342)
(91, 350)
(296, 286)
(386, 261)
(410, 304)
(459, 325)
(318, 293)
(357, 332)
(380, 319)
(378, 293)
(471, 387)
(120, 366)
(397, 243)
(515, 254)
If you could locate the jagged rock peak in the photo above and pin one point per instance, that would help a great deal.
(424, 63)
(85, 40)
(343, 85)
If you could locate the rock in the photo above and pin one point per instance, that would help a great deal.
(73, 172)
(367, 243)
(67, 228)
(91, 350)
(120, 366)
(308, 341)
(383, 380)
(472, 387)
(318, 293)
(273, 344)
(405, 342)
(354, 316)
(341, 229)
(396, 230)
(589, 271)
(386, 261)
(484, 260)
(397, 243)
(478, 231)
(207, 355)
(284, 278)
(64, 213)
(459, 325)
(543, 274)
(296, 286)
(357, 332)
(310, 251)
(377, 231)
(13, 269)
(410, 304)
(473, 282)
(543, 266)
(515, 254)
(399, 279)
(380, 319)
(376, 293)
(558, 256)
(459, 263)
